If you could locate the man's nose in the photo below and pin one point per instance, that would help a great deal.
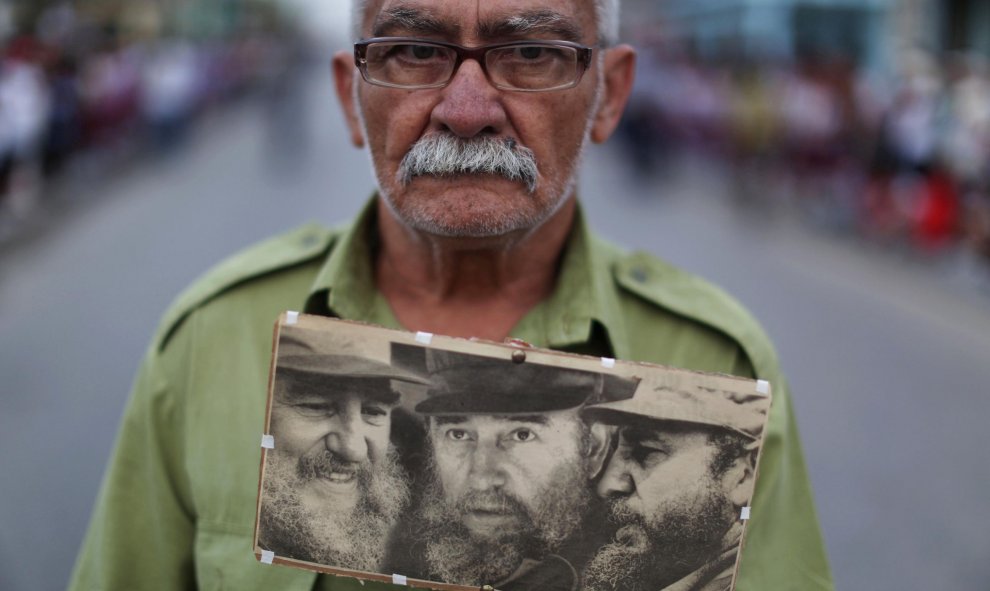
(486, 468)
(348, 442)
(470, 105)
(616, 481)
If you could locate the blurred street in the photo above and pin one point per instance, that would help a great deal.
(888, 358)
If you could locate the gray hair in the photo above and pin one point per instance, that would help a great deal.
(444, 154)
(606, 14)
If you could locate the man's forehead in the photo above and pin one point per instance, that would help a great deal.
(340, 392)
(484, 19)
(507, 419)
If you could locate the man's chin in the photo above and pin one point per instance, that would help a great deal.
(465, 559)
(624, 564)
(493, 526)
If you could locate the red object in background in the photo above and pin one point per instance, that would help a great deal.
(23, 48)
(938, 212)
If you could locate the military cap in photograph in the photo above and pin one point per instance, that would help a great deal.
(461, 383)
(300, 362)
(692, 403)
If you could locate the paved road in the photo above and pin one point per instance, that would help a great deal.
(889, 363)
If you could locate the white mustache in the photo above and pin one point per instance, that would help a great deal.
(444, 154)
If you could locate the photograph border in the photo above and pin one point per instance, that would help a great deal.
(502, 351)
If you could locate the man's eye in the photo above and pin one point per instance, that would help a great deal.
(414, 52)
(531, 53)
(457, 434)
(313, 409)
(537, 54)
(423, 52)
(522, 435)
(375, 414)
(643, 454)
(374, 411)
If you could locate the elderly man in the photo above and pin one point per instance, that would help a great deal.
(506, 494)
(332, 488)
(683, 469)
(475, 115)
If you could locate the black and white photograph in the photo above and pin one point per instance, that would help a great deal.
(459, 463)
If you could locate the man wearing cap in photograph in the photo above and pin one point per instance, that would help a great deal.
(509, 491)
(684, 467)
(332, 488)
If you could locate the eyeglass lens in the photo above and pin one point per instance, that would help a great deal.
(523, 67)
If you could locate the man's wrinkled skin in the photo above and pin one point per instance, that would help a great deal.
(452, 245)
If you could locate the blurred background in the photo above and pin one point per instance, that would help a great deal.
(828, 162)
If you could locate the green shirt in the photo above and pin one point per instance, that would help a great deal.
(177, 506)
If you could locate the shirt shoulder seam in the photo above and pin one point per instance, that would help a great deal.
(285, 251)
(689, 296)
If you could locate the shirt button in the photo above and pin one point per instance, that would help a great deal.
(309, 241)
(639, 275)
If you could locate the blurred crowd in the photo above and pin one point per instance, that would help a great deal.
(78, 91)
(900, 158)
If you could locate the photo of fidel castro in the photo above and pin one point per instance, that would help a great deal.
(683, 469)
(487, 464)
(333, 488)
(505, 496)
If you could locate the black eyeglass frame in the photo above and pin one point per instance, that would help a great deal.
(584, 55)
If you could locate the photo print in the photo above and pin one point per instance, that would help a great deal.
(458, 464)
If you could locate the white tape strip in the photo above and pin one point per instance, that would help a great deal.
(399, 580)
(424, 337)
(745, 514)
(267, 556)
(763, 386)
(291, 317)
(608, 362)
(268, 441)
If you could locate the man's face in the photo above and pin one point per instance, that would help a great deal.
(669, 507)
(333, 488)
(482, 460)
(655, 472)
(331, 436)
(506, 487)
(554, 125)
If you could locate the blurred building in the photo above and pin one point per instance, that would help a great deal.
(6, 20)
(867, 32)
(966, 25)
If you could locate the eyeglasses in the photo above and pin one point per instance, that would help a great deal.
(528, 66)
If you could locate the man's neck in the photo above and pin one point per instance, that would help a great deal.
(468, 287)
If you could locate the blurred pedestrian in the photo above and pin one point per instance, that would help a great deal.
(64, 126)
(754, 137)
(24, 110)
(169, 83)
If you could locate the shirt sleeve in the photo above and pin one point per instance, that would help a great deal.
(783, 547)
(142, 529)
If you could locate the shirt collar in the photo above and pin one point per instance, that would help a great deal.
(582, 308)
(345, 286)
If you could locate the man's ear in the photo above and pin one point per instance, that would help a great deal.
(600, 441)
(618, 71)
(344, 76)
(738, 480)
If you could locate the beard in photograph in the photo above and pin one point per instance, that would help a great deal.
(650, 553)
(456, 555)
(354, 538)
